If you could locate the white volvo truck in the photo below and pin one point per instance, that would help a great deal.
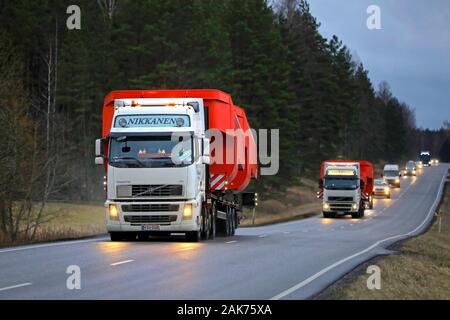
(158, 174)
(346, 187)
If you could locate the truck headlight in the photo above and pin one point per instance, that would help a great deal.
(355, 206)
(187, 211)
(113, 212)
(386, 190)
(397, 180)
(326, 207)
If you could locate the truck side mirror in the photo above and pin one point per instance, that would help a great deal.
(320, 183)
(99, 148)
(99, 151)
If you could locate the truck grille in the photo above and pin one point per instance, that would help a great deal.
(341, 207)
(156, 190)
(340, 198)
(150, 208)
(150, 219)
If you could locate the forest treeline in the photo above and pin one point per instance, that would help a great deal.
(269, 56)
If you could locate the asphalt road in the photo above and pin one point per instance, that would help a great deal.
(294, 260)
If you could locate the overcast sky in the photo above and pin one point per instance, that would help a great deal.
(411, 51)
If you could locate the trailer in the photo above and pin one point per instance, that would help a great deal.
(175, 161)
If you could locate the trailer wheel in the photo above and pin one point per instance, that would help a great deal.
(212, 233)
(228, 223)
(233, 222)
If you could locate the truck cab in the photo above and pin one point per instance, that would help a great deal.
(425, 157)
(156, 161)
(342, 190)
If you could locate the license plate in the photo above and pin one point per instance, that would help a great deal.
(150, 227)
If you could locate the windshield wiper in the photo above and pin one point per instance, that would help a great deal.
(130, 158)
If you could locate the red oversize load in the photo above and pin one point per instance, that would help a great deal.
(223, 115)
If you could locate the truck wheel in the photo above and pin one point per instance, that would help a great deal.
(115, 236)
(193, 236)
(206, 224)
(129, 236)
(371, 203)
(361, 210)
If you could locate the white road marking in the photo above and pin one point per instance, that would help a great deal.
(263, 236)
(55, 244)
(230, 242)
(376, 244)
(286, 232)
(121, 262)
(16, 286)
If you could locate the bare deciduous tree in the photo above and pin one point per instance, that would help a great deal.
(108, 8)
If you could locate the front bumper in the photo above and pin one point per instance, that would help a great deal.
(140, 220)
(339, 207)
(393, 182)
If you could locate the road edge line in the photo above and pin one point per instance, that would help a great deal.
(338, 263)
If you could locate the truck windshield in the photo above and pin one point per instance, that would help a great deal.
(391, 173)
(425, 158)
(341, 183)
(150, 152)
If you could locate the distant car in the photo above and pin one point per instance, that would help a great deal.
(434, 162)
(410, 169)
(419, 165)
(392, 174)
(381, 189)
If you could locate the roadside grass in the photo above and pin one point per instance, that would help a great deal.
(78, 220)
(68, 221)
(295, 213)
(294, 204)
(419, 271)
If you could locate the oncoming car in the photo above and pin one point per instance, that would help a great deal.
(381, 189)
(410, 169)
(419, 165)
(434, 162)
